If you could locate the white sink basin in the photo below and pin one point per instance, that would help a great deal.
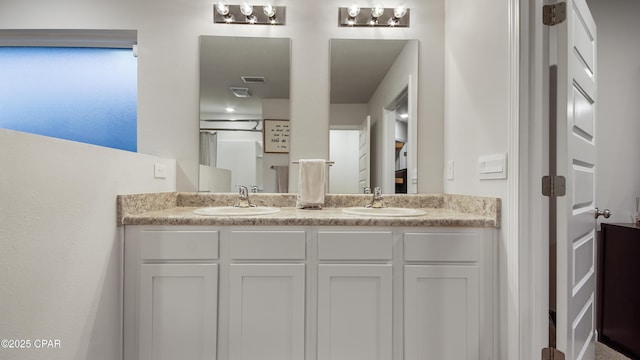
(235, 211)
(386, 211)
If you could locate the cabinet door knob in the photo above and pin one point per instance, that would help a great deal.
(606, 213)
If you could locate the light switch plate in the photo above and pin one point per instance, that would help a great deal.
(159, 171)
(492, 167)
(450, 169)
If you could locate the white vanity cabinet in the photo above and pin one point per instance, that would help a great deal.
(309, 292)
(178, 311)
(171, 294)
(355, 294)
(449, 294)
(267, 294)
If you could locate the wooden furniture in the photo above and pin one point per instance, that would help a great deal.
(619, 293)
(401, 181)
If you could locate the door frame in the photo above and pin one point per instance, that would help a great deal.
(531, 141)
(525, 326)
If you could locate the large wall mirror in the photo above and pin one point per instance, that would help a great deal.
(373, 115)
(244, 82)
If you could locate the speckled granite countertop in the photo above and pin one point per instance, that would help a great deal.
(442, 210)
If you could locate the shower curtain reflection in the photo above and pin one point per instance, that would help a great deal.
(208, 146)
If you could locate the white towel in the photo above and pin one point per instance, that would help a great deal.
(311, 183)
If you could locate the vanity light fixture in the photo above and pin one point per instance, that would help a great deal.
(222, 9)
(398, 13)
(377, 16)
(246, 14)
(270, 12)
(352, 12)
(247, 11)
(376, 12)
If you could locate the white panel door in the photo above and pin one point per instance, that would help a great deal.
(576, 160)
(266, 311)
(364, 158)
(441, 312)
(355, 312)
(344, 173)
(178, 311)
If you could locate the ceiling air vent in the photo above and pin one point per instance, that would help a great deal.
(252, 79)
(240, 92)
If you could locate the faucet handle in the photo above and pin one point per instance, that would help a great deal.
(243, 197)
(243, 192)
(367, 190)
(376, 200)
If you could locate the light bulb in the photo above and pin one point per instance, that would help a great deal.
(377, 11)
(399, 12)
(269, 11)
(246, 9)
(222, 8)
(353, 10)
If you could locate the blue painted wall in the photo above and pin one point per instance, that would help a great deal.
(81, 94)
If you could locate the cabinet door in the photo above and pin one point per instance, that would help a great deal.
(441, 312)
(266, 311)
(355, 312)
(178, 311)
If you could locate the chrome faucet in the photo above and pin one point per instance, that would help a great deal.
(376, 201)
(367, 190)
(243, 197)
(254, 189)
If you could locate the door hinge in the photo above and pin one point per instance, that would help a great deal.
(554, 185)
(552, 354)
(554, 14)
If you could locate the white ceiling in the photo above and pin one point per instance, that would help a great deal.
(357, 67)
(223, 60)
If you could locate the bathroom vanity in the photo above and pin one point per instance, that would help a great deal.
(309, 284)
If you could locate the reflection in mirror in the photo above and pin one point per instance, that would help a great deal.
(242, 82)
(373, 115)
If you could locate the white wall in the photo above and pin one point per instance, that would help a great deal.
(618, 129)
(477, 113)
(476, 90)
(168, 66)
(347, 115)
(60, 247)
